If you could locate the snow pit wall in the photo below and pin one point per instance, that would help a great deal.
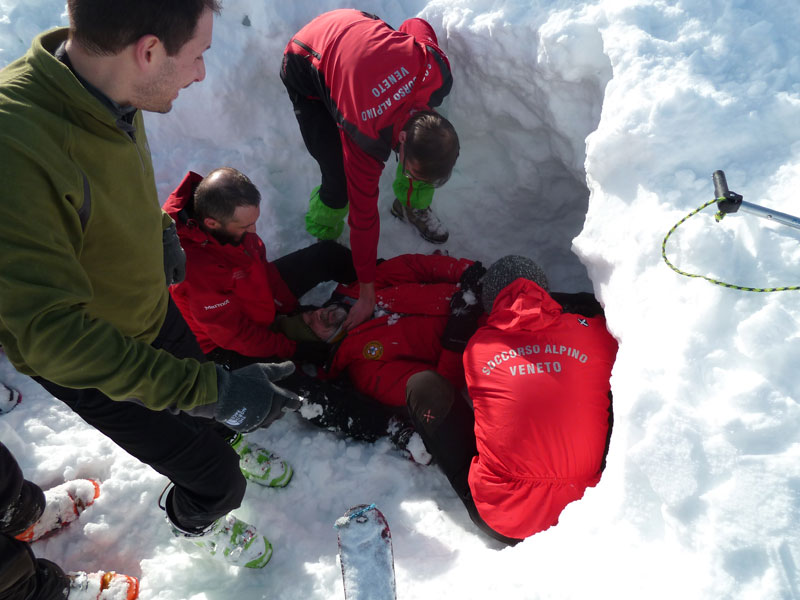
(525, 96)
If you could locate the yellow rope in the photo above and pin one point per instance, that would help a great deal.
(709, 279)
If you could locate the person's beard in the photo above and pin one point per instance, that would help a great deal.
(223, 237)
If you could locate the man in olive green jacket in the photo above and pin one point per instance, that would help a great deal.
(84, 249)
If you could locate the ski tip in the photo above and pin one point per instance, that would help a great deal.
(354, 513)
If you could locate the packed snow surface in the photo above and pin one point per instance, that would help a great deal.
(588, 129)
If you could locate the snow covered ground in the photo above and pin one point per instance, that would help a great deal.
(588, 130)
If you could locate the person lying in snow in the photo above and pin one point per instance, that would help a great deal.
(537, 376)
(411, 333)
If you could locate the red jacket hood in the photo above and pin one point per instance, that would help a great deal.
(522, 304)
(188, 229)
(182, 195)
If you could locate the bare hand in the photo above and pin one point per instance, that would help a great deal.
(363, 308)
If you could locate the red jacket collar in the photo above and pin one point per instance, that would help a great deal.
(178, 206)
(183, 194)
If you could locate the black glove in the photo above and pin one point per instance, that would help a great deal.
(174, 256)
(465, 310)
(247, 398)
(471, 277)
(580, 303)
(312, 352)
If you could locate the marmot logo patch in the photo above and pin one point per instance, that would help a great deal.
(372, 350)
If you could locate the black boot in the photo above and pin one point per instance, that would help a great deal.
(24, 577)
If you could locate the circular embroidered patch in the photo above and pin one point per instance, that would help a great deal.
(372, 350)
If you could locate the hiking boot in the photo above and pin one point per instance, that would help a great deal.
(404, 437)
(426, 222)
(261, 466)
(231, 540)
(9, 398)
(63, 504)
(102, 586)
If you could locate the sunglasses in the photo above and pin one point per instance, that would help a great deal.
(436, 183)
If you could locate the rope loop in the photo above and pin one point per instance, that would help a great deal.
(709, 279)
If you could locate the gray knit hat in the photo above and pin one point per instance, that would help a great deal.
(504, 271)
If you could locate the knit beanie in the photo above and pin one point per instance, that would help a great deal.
(504, 271)
(294, 328)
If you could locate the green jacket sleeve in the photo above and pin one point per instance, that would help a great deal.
(49, 323)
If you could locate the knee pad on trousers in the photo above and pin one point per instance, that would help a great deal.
(430, 398)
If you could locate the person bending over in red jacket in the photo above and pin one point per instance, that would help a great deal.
(360, 90)
(231, 293)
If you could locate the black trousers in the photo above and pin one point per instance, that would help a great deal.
(318, 128)
(343, 408)
(194, 453)
(324, 261)
(22, 575)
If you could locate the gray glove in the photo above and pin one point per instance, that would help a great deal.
(174, 256)
(247, 398)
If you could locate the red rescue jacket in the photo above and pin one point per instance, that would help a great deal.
(539, 382)
(231, 294)
(370, 95)
(380, 355)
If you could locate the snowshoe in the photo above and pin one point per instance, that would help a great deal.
(63, 504)
(260, 465)
(231, 540)
(102, 586)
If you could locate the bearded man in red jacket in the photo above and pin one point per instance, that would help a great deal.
(360, 90)
(231, 294)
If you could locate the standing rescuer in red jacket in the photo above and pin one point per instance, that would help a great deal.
(360, 90)
(538, 377)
